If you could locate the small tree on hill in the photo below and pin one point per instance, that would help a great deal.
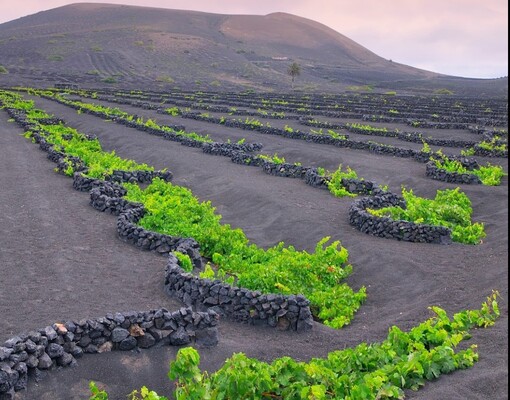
(294, 70)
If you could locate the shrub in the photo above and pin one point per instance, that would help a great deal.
(174, 210)
(335, 184)
(109, 79)
(404, 360)
(184, 261)
(450, 208)
(55, 57)
(490, 175)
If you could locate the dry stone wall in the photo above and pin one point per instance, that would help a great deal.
(60, 344)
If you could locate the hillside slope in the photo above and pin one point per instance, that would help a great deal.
(141, 47)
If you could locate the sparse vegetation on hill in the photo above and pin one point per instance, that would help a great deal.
(253, 63)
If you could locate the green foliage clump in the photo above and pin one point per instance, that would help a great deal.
(493, 145)
(288, 129)
(335, 184)
(426, 148)
(404, 360)
(99, 163)
(184, 261)
(112, 112)
(174, 210)
(450, 208)
(3, 70)
(489, 175)
(365, 127)
(173, 111)
(210, 273)
(321, 171)
(255, 123)
(274, 158)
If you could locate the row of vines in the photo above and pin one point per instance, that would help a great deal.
(405, 360)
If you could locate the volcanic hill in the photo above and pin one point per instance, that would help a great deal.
(97, 45)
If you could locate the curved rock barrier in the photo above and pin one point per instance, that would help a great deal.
(238, 303)
(107, 196)
(285, 170)
(84, 183)
(413, 137)
(232, 110)
(482, 152)
(243, 158)
(309, 174)
(386, 227)
(440, 174)
(60, 344)
(314, 179)
(228, 149)
(376, 148)
(355, 186)
(243, 305)
(290, 134)
(422, 123)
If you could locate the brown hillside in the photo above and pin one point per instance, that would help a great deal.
(141, 47)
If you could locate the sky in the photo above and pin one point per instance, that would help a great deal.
(467, 38)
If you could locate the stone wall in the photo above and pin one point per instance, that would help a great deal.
(440, 174)
(201, 293)
(245, 305)
(388, 228)
(355, 186)
(60, 344)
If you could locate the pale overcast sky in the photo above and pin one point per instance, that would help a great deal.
(466, 38)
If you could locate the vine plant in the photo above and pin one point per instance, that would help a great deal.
(450, 208)
(404, 360)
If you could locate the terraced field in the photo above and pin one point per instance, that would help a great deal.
(62, 260)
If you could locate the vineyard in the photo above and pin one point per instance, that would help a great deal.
(309, 247)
